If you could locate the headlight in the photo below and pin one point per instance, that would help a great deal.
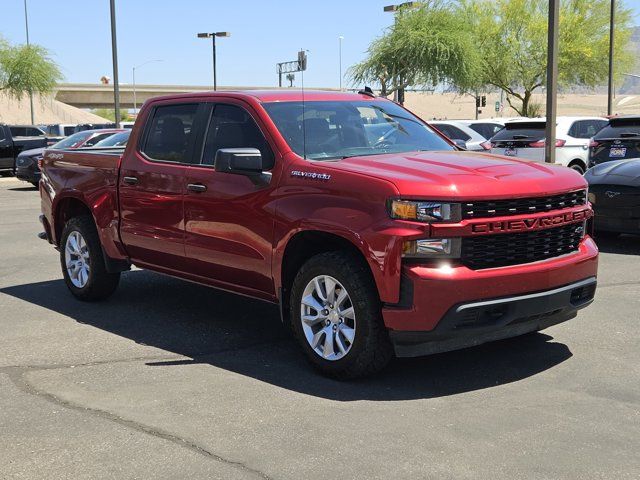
(424, 211)
(432, 248)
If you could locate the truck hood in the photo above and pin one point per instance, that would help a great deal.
(619, 172)
(456, 174)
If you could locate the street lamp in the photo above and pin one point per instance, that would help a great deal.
(26, 26)
(340, 38)
(114, 58)
(612, 21)
(213, 36)
(398, 94)
(135, 105)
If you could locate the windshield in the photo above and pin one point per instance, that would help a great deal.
(117, 140)
(342, 129)
(71, 141)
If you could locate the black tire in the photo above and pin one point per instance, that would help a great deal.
(603, 234)
(371, 349)
(577, 167)
(100, 284)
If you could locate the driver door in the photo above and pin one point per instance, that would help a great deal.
(229, 217)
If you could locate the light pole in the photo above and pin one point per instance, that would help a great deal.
(340, 38)
(213, 36)
(114, 54)
(26, 27)
(552, 82)
(611, 40)
(135, 104)
(398, 94)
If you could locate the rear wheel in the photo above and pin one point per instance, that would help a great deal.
(336, 316)
(82, 261)
(578, 167)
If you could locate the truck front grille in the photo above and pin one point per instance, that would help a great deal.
(519, 206)
(501, 250)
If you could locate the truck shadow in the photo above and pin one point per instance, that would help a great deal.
(246, 336)
(622, 245)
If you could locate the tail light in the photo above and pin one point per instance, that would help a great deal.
(486, 145)
(40, 163)
(540, 143)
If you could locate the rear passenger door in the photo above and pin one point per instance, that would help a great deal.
(152, 181)
(229, 217)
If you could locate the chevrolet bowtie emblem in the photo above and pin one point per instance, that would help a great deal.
(611, 193)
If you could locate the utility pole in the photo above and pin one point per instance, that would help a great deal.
(340, 38)
(26, 26)
(552, 82)
(611, 47)
(114, 53)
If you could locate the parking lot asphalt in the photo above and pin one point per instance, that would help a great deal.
(169, 379)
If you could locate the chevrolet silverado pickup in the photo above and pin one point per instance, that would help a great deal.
(374, 233)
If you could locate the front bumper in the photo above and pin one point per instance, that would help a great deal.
(471, 324)
(28, 174)
(429, 293)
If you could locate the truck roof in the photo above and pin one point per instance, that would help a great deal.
(278, 95)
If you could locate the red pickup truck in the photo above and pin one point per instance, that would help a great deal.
(374, 233)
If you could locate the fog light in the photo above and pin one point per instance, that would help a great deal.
(432, 247)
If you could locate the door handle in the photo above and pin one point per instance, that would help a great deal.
(197, 187)
(130, 180)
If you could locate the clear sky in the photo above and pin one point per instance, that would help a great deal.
(263, 32)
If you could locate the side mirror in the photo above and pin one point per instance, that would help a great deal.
(460, 143)
(241, 161)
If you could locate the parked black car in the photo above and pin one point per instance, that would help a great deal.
(614, 191)
(27, 168)
(13, 140)
(619, 139)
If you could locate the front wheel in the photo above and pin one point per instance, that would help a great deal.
(82, 261)
(336, 316)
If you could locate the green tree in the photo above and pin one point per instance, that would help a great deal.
(26, 69)
(110, 114)
(512, 38)
(424, 47)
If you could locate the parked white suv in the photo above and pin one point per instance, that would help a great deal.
(525, 139)
(457, 130)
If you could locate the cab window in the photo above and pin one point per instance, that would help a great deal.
(231, 126)
(169, 134)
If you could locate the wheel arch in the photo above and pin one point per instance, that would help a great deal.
(580, 162)
(72, 206)
(303, 245)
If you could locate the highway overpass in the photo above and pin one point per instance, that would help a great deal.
(91, 95)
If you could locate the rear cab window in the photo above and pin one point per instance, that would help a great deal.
(169, 134)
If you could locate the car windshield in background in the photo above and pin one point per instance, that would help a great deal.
(521, 131)
(347, 129)
(71, 141)
(487, 130)
(620, 128)
(116, 140)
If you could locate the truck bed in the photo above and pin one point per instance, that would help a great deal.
(89, 176)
